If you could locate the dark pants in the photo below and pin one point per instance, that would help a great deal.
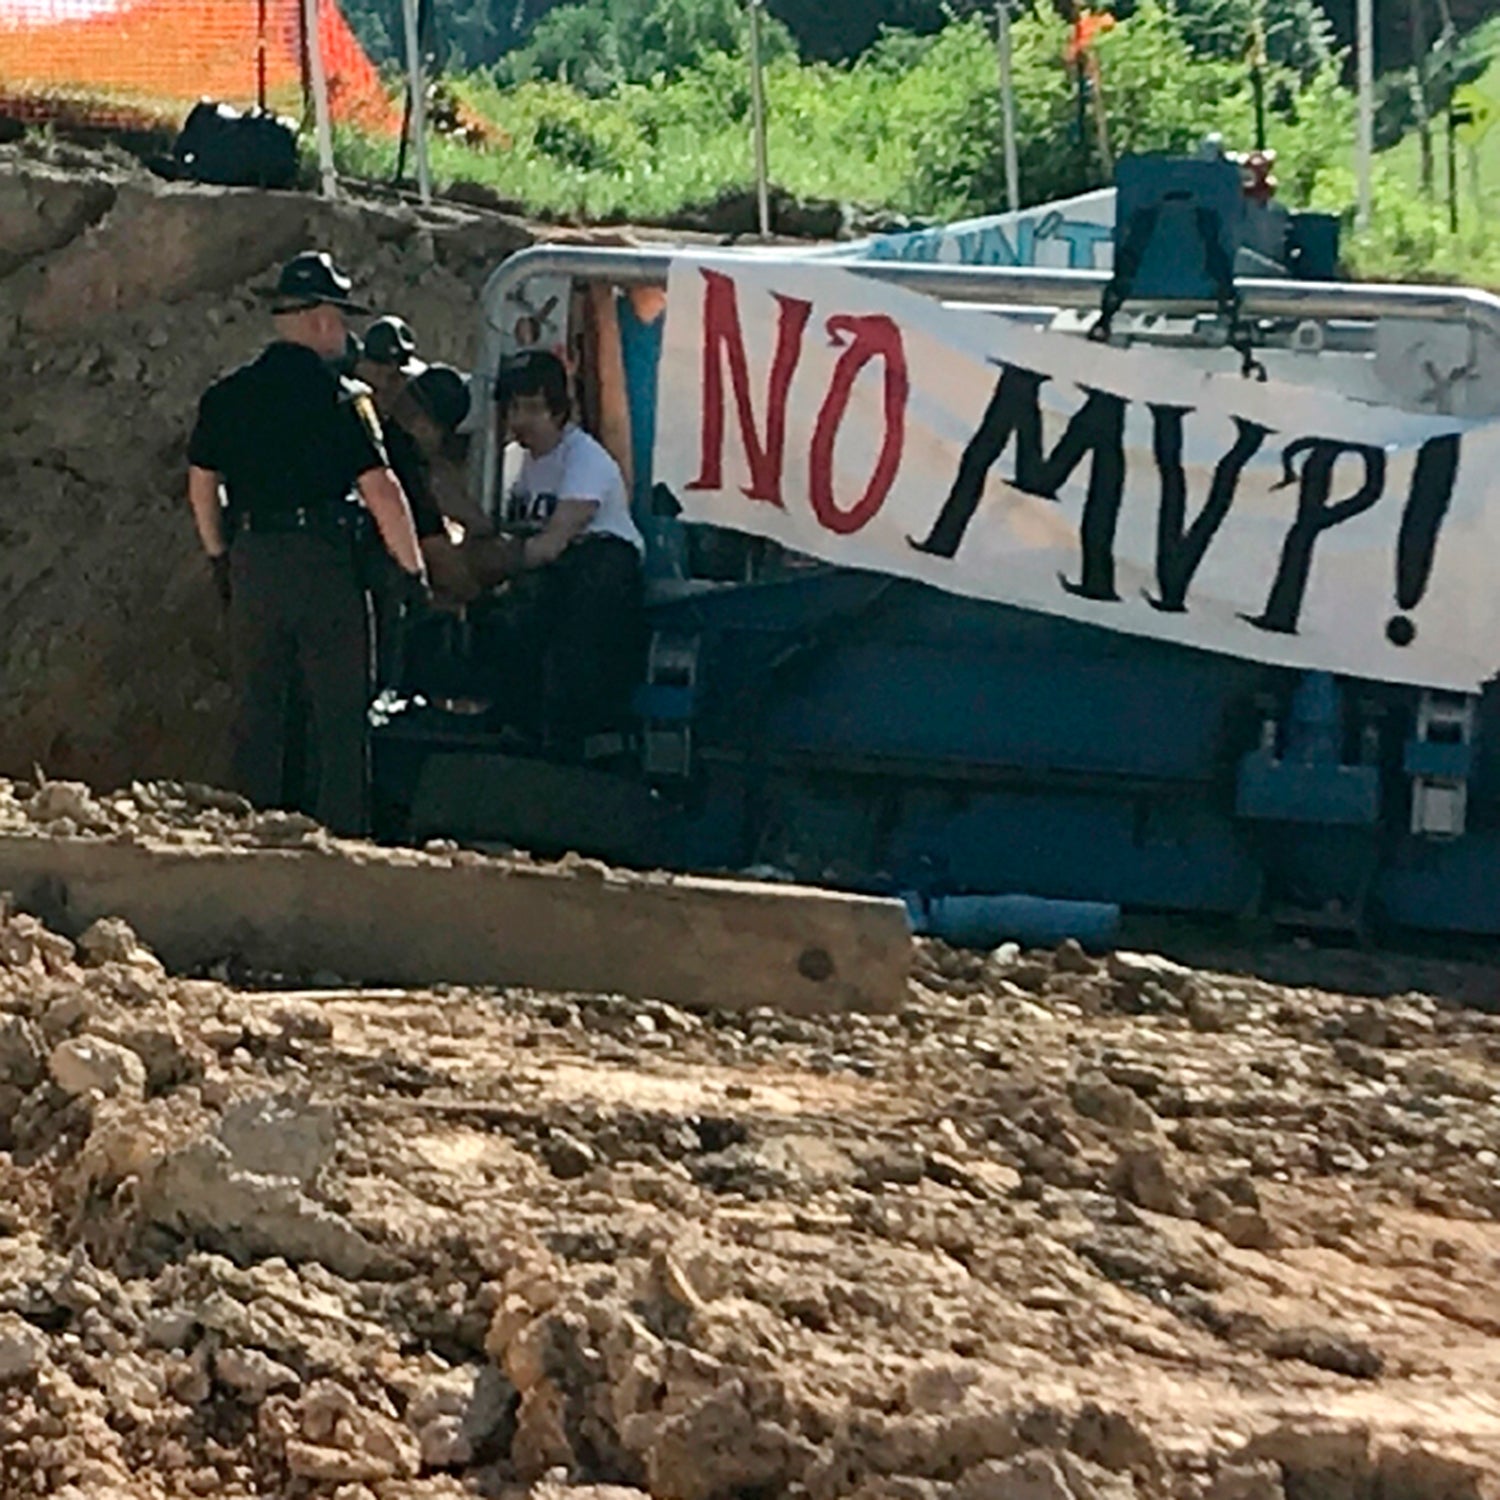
(384, 584)
(299, 611)
(573, 642)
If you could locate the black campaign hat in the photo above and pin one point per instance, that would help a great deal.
(311, 279)
(390, 341)
(443, 393)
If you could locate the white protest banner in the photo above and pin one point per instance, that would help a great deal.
(874, 428)
(1075, 233)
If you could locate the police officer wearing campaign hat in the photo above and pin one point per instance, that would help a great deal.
(388, 364)
(285, 457)
(391, 341)
(388, 359)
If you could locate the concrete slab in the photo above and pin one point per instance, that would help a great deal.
(401, 917)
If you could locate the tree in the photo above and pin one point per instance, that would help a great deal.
(468, 33)
(1297, 32)
(597, 46)
(838, 30)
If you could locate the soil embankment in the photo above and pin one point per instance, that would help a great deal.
(121, 298)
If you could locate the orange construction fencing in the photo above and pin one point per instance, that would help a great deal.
(136, 62)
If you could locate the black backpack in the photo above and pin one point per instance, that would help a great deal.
(218, 144)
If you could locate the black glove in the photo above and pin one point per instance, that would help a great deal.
(222, 586)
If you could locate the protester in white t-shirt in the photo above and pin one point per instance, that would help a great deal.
(568, 471)
(572, 553)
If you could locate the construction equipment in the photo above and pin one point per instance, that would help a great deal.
(877, 734)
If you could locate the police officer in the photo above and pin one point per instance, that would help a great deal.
(386, 362)
(286, 450)
(389, 359)
(419, 436)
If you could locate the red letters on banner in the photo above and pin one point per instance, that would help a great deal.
(863, 339)
(873, 337)
(722, 335)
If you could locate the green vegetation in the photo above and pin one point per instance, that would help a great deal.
(912, 126)
(637, 109)
(482, 33)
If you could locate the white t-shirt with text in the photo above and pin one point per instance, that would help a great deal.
(579, 468)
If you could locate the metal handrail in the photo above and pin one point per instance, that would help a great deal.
(999, 286)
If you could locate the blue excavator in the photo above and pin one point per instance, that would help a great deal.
(865, 731)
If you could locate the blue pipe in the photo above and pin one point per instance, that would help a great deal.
(988, 921)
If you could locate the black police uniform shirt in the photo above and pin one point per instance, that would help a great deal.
(287, 433)
(410, 466)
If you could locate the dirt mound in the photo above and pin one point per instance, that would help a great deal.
(1061, 1229)
(181, 814)
(121, 297)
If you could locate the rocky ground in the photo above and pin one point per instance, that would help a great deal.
(1064, 1229)
(164, 812)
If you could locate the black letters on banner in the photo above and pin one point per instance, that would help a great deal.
(1096, 432)
(1097, 429)
(1315, 516)
(1179, 547)
(1100, 425)
(1431, 491)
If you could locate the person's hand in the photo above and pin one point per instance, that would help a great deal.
(449, 572)
(496, 560)
(223, 587)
